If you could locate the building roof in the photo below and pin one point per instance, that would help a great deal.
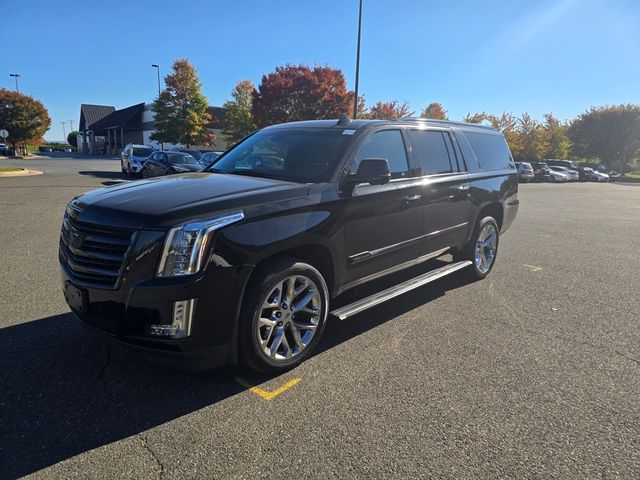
(126, 118)
(90, 114)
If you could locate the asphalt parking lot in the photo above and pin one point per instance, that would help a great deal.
(532, 373)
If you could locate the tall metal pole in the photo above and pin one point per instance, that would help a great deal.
(157, 67)
(355, 102)
(15, 75)
(71, 123)
(64, 133)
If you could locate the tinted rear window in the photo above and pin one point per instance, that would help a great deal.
(430, 151)
(142, 152)
(491, 151)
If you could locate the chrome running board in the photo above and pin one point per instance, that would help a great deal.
(358, 306)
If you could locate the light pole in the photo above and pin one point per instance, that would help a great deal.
(71, 123)
(157, 67)
(64, 133)
(355, 102)
(16, 76)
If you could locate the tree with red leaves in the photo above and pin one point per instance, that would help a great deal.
(436, 111)
(297, 92)
(389, 110)
(25, 118)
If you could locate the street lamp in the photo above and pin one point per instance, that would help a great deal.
(64, 133)
(15, 75)
(157, 67)
(355, 102)
(71, 123)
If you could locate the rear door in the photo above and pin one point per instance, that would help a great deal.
(383, 223)
(446, 205)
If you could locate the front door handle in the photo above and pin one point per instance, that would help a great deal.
(411, 199)
(463, 190)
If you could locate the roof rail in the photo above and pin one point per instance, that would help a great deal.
(443, 122)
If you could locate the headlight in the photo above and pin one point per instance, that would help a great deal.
(186, 246)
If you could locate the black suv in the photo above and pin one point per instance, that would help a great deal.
(242, 262)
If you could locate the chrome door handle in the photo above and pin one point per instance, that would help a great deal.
(411, 199)
(463, 188)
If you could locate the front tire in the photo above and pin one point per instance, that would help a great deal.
(482, 250)
(283, 316)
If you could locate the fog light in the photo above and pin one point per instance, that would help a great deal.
(183, 311)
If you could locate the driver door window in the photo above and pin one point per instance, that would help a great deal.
(387, 144)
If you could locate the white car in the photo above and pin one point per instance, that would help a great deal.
(558, 176)
(573, 175)
(133, 157)
(599, 176)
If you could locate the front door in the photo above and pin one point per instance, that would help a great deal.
(383, 223)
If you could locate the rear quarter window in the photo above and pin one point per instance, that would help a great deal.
(491, 150)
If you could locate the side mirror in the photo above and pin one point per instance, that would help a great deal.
(374, 171)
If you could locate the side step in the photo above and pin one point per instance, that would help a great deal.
(347, 311)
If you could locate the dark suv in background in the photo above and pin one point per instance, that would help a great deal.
(242, 262)
(541, 172)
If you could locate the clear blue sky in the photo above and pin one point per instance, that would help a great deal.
(559, 56)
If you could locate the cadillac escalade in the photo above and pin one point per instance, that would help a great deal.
(242, 262)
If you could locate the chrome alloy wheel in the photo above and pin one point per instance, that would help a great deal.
(289, 318)
(485, 251)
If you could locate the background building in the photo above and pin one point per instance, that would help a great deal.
(105, 130)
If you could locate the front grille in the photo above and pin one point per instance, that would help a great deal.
(94, 254)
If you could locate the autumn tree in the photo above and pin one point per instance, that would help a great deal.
(297, 92)
(507, 124)
(532, 139)
(25, 118)
(182, 111)
(238, 117)
(389, 110)
(555, 137)
(610, 134)
(476, 117)
(434, 110)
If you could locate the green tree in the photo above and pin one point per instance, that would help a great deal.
(25, 118)
(238, 118)
(555, 133)
(609, 134)
(182, 111)
(436, 111)
(72, 138)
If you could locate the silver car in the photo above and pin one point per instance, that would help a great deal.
(133, 158)
(572, 174)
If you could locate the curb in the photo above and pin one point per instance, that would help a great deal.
(23, 172)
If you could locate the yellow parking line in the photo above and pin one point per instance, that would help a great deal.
(265, 394)
(533, 268)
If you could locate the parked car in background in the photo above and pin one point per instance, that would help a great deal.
(169, 163)
(558, 176)
(194, 153)
(5, 150)
(525, 171)
(573, 175)
(541, 172)
(597, 176)
(562, 163)
(133, 157)
(209, 157)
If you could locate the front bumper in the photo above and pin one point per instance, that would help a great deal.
(139, 300)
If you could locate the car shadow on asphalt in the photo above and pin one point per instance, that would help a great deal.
(114, 178)
(65, 390)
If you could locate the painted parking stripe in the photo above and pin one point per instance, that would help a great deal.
(265, 394)
(533, 267)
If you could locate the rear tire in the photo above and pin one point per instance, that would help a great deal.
(283, 315)
(482, 250)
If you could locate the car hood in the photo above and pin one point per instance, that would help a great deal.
(189, 166)
(166, 201)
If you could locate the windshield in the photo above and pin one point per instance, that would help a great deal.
(142, 152)
(182, 158)
(295, 154)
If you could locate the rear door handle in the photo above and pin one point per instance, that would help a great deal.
(411, 199)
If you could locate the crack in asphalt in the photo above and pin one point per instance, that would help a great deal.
(156, 459)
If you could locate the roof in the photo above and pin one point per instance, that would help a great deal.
(92, 113)
(127, 118)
